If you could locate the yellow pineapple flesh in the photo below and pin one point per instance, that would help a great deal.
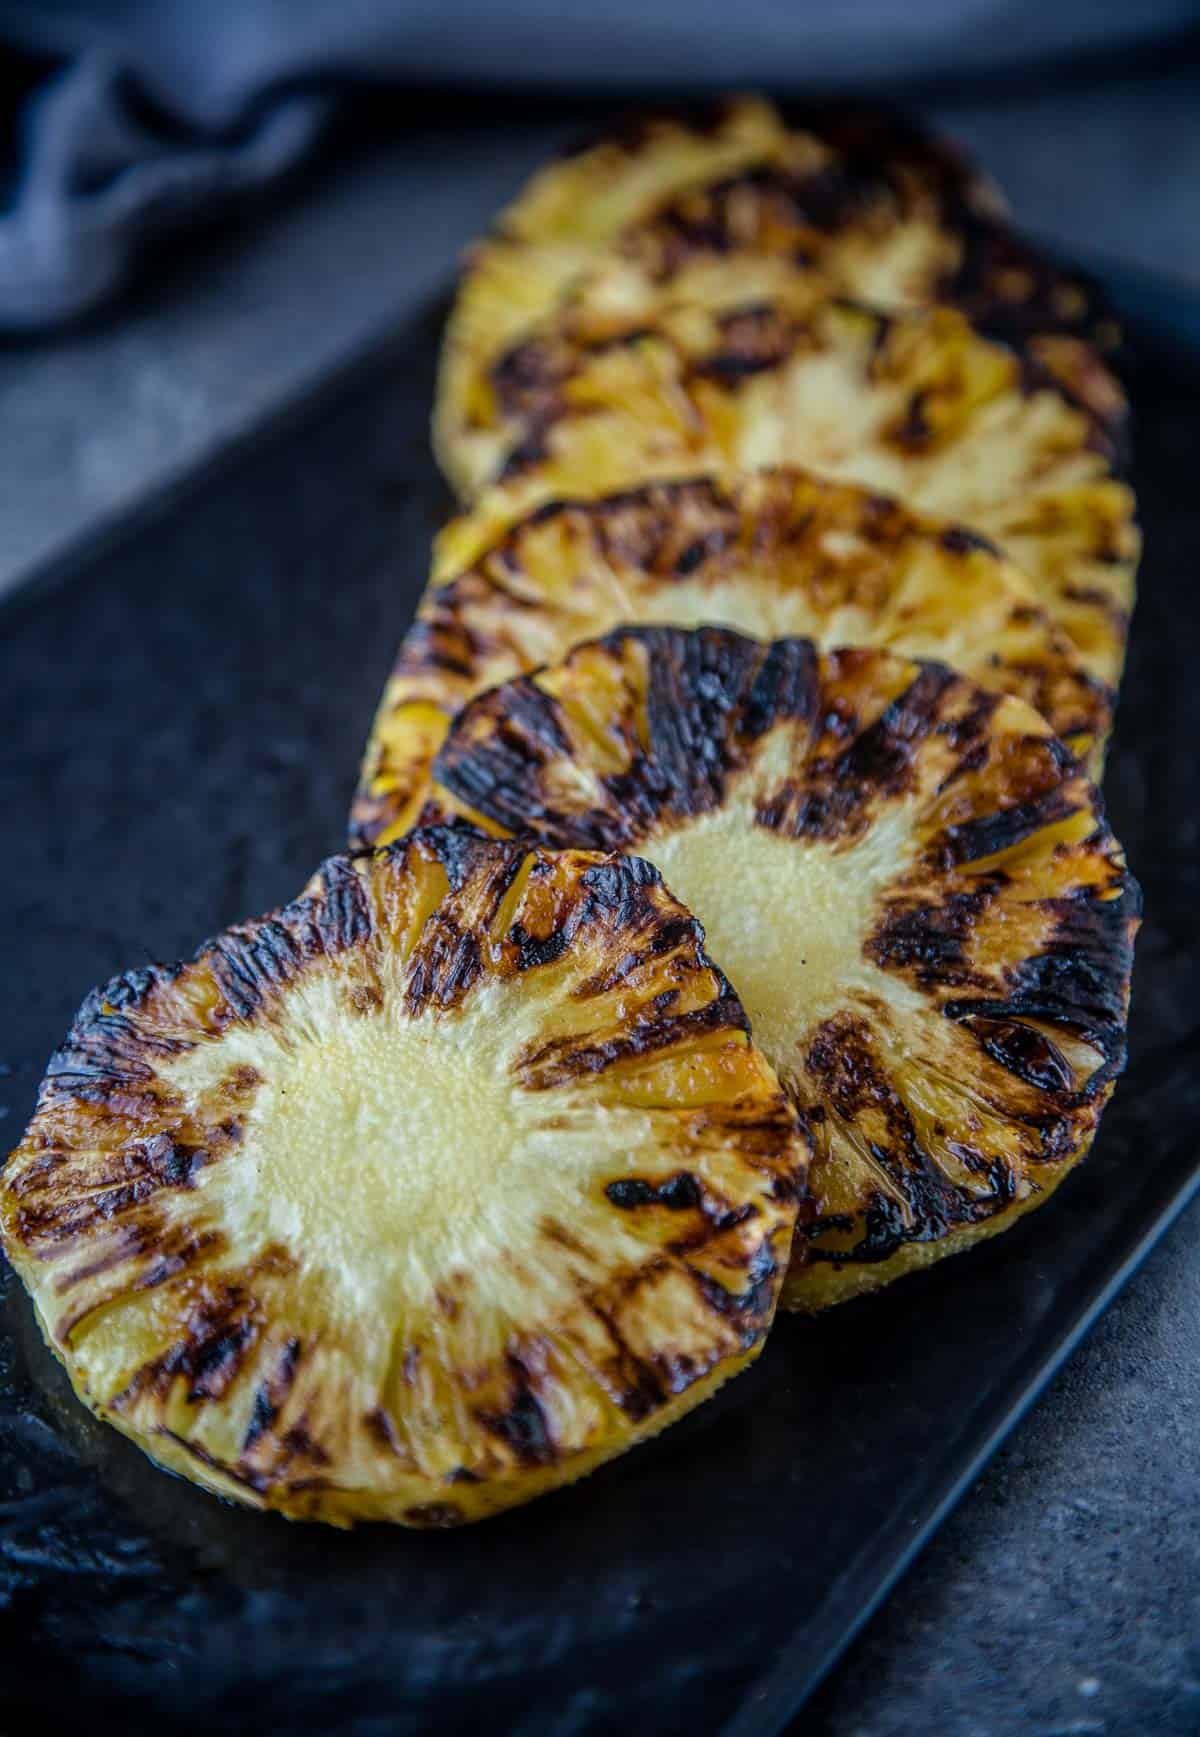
(771, 552)
(908, 877)
(915, 405)
(673, 211)
(426, 1193)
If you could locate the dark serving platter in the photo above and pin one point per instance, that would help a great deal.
(183, 710)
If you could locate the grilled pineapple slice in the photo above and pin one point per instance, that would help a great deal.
(908, 878)
(567, 213)
(773, 552)
(425, 1194)
(853, 202)
(915, 405)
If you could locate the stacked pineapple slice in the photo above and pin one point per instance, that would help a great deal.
(784, 617)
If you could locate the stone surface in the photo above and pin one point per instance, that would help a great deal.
(1062, 1598)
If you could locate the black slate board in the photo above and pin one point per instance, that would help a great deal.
(182, 713)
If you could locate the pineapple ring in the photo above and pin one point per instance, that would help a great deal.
(567, 213)
(908, 879)
(915, 405)
(421, 1196)
(772, 553)
(855, 204)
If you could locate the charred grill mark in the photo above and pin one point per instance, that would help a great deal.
(699, 552)
(217, 1361)
(241, 1081)
(251, 964)
(695, 680)
(632, 1383)
(617, 886)
(522, 1425)
(445, 967)
(831, 197)
(967, 734)
(494, 776)
(533, 449)
(612, 895)
(243, 1476)
(1011, 294)
(609, 977)
(842, 1063)
(382, 1427)
(678, 1193)
(343, 917)
(129, 1241)
(960, 540)
(1072, 701)
(1020, 1050)
(886, 1229)
(883, 752)
(832, 801)
(534, 951)
(106, 1049)
(558, 1233)
(174, 1248)
(564, 1059)
(786, 685)
(710, 691)
(914, 429)
(527, 379)
(1095, 597)
(271, 1396)
(751, 1308)
(974, 840)
(752, 339)
(463, 854)
(215, 1340)
(1079, 983)
(669, 529)
(439, 641)
(1091, 390)
(523, 1429)
(740, 210)
(929, 939)
(171, 1163)
(100, 1051)
(146, 1167)
(128, 990)
(299, 1443)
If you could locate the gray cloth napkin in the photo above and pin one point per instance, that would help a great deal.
(240, 88)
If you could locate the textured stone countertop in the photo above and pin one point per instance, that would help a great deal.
(1064, 1594)
(1062, 1598)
